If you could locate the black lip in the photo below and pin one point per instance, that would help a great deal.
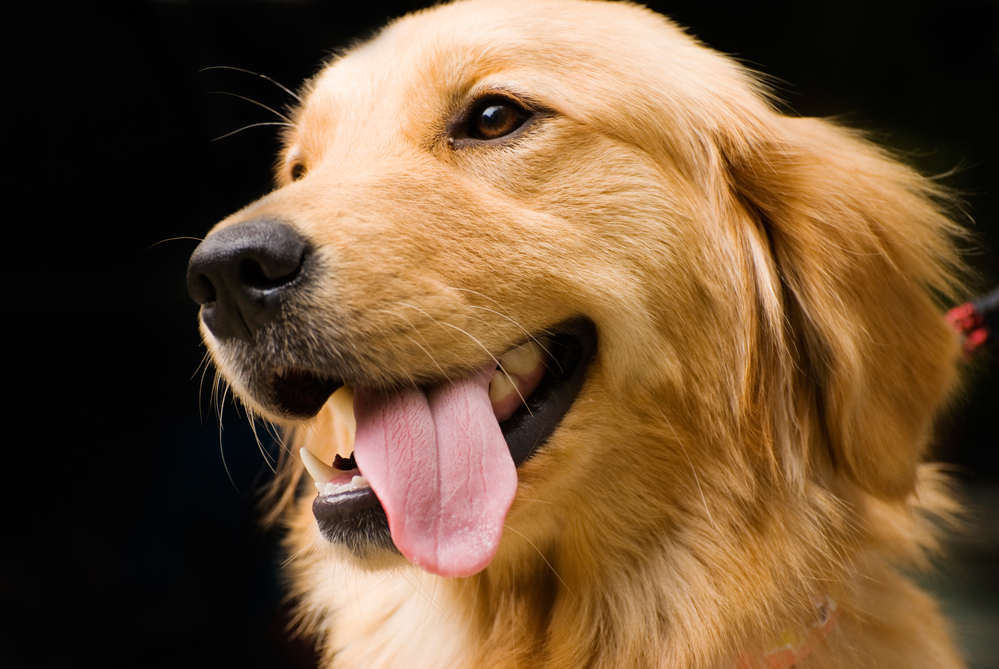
(356, 518)
(301, 394)
(530, 426)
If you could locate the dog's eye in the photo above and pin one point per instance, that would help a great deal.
(496, 118)
(297, 171)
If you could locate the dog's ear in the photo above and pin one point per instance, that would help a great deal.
(859, 244)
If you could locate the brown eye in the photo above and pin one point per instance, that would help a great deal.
(496, 118)
(297, 171)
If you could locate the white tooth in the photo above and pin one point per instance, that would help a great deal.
(279, 372)
(523, 359)
(318, 470)
(356, 483)
(500, 386)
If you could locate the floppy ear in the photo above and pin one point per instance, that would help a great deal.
(859, 244)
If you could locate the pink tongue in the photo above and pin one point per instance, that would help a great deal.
(441, 468)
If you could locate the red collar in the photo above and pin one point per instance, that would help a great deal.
(791, 647)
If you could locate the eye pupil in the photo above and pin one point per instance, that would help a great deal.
(297, 171)
(497, 119)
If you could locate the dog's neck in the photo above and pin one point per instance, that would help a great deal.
(522, 623)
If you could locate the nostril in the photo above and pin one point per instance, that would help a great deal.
(269, 272)
(201, 289)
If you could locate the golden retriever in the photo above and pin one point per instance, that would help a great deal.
(600, 361)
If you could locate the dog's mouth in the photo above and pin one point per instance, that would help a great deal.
(433, 470)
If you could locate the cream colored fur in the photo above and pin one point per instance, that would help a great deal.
(769, 362)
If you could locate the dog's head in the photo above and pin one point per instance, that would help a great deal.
(699, 300)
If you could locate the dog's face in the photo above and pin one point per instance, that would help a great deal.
(615, 218)
(445, 201)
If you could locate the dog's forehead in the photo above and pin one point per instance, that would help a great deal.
(614, 66)
(436, 54)
(445, 51)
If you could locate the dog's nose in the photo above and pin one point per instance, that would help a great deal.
(240, 274)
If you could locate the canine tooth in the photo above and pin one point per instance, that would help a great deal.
(500, 386)
(342, 406)
(320, 472)
(523, 359)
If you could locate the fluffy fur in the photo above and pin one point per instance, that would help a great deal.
(770, 355)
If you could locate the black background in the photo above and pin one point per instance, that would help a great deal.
(127, 543)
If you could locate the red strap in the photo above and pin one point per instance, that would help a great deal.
(793, 647)
(968, 321)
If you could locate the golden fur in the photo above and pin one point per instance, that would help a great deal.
(770, 355)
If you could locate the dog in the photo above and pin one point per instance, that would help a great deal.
(595, 358)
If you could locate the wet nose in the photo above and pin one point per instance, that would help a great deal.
(241, 274)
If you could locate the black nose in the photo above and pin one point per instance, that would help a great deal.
(240, 275)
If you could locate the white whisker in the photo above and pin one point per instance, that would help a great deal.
(287, 121)
(256, 74)
(247, 127)
(524, 537)
(530, 336)
(423, 348)
(174, 239)
(489, 353)
(268, 458)
(416, 308)
(225, 465)
(693, 469)
(422, 593)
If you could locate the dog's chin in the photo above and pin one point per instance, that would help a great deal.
(356, 523)
(352, 517)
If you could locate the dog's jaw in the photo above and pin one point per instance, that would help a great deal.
(532, 388)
